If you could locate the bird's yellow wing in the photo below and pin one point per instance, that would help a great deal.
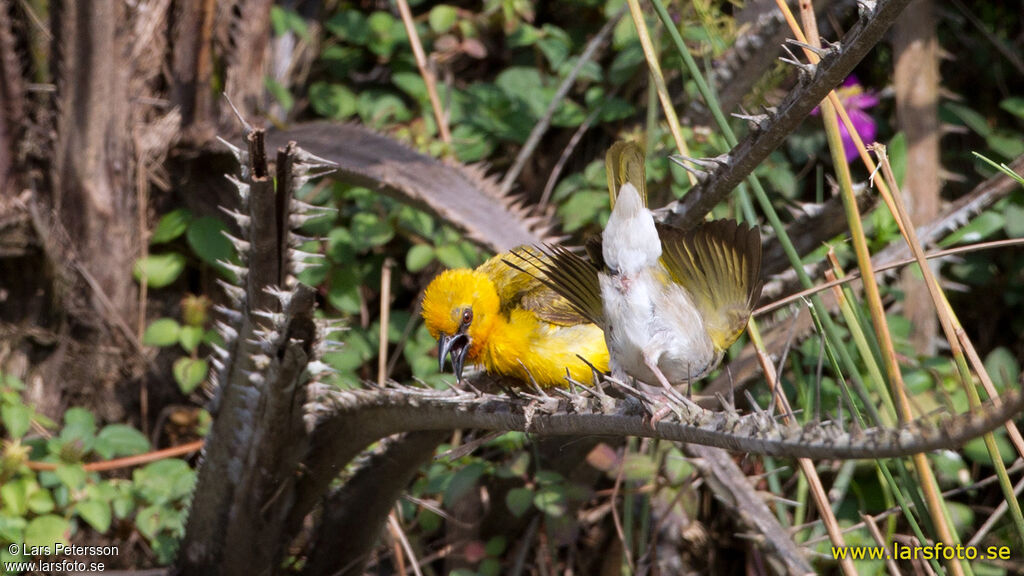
(719, 264)
(521, 287)
(623, 163)
(572, 277)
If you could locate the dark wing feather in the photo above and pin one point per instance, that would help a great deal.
(567, 274)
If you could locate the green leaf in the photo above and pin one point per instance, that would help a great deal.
(977, 452)
(442, 17)
(71, 475)
(1005, 143)
(286, 20)
(148, 521)
(379, 108)
(190, 338)
(970, 118)
(40, 501)
(451, 256)
(349, 25)
(1002, 367)
(419, 257)
(551, 501)
(206, 237)
(470, 144)
(161, 332)
(164, 481)
(897, 151)
(159, 270)
(983, 226)
(462, 482)
(332, 100)
(120, 440)
(172, 225)
(343, 289)
(279, 92)
(16, 419)
(14, 497)
(96, 513)
(1014, 226)
(496, 546)
(189, 373)
(79, 424)
(370, 230)
(519, 501)
(47, 530)
(555, 45)
(1013, 105)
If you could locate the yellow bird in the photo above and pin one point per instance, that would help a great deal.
(670, 302)
(508, 321)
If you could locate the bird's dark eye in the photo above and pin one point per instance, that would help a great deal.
(467, 317)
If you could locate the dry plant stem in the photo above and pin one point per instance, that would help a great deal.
(936, 507)
(806, 465)
(385, 319)
(627, 548)
(890, 266)
(958, 341)
(142, 185)
(396, 531)
(127, 461)
(876, 535)
(428, 75)
(659, 81)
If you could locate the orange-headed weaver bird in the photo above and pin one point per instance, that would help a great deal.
(670, 302)
(512, 324)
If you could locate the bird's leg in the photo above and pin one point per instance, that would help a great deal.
(671, 396)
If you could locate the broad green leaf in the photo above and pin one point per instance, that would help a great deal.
(462, 482)
(161, 332)
(14, 497)
(172, 225)
(40, 501)
(419, 257)
(442, 17)
(1002, 367)
(519, 501)
(148, 521)
(47, 530)
(159, 270)
(16, 419)
(349, 25)
(983, 226)
(551, 501)
(332, 100)
(279, 92)
(72, 475)
(190, 337)
(120, 440)
(1013, 105)
(189, 373)
(206, 238)
(96, 513)
(79, 424)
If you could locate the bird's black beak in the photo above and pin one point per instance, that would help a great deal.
(457, 345)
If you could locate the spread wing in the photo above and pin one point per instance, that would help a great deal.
(520, 285)
(569, 276)
(719, 264)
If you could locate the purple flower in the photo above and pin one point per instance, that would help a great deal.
(856, 100)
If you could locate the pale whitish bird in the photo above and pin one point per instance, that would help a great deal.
(670, 302)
